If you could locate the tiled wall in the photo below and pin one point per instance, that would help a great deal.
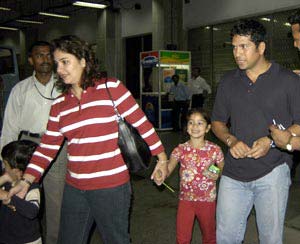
(211, 47)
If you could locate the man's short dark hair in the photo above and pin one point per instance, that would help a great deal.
(252, 28)
(197, 68)
(38, 44)
(294, 18)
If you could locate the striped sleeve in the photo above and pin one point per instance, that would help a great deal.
(130, 110)
(50, 144)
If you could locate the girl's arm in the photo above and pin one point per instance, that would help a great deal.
(221, 166)
(28, 207)
(172, 165)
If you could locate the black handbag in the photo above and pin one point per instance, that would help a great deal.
(134, 149)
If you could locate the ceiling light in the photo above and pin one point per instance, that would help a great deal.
(29, 21)
(8, 28)
(5, 9)
(89, 5)
(54, 15)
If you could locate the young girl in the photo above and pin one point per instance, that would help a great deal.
(19, 221)
(197, 180)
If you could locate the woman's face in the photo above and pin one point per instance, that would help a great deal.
(69, 67)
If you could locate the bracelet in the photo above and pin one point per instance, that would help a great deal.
(162, 161)
(228, 141)
(272, 143)
(26, 181)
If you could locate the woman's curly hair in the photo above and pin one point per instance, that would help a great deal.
(81, 50)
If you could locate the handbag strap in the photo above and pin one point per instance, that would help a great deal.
(119, 117)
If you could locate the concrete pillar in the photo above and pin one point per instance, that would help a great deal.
(109, 42)
(158, 25)
(23, 51)
(167, 21)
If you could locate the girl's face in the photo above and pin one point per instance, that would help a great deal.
(197, 126)
(69, 67)
(14, 174)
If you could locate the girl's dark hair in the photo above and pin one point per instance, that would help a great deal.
(252, 28)
(18, 153)
(203, 112)
(81, 50)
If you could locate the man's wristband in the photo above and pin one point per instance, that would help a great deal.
(228, 141)
(272, 143)
(28, 182)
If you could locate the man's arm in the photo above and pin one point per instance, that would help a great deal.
(238, 149)
(204, 85)
(11, 120)
(283, 137)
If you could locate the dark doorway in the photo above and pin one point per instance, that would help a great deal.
(135, 45)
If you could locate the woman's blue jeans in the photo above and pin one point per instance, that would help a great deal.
(109, 208)
(269, 196)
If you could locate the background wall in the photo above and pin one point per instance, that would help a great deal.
(202, 12)
(211, 47)
(136, 22)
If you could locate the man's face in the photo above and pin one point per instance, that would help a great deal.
(245, 52)
(41, 59)
(296, 35)
(195, 72)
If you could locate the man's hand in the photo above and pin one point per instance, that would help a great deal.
(280, 137)
(239, 149)
(20, 189)
(297, 71)
(259, 148)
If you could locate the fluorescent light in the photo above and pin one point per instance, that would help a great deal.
(8, 28)
(5, 9)
(89, 5)
(287, 24)
(29, 21)
(266, 19)
(55, 15)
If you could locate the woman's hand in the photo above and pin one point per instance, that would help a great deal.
(3, 195)
(19, 189)
(22, 187)
(5, 178)
(160, 171)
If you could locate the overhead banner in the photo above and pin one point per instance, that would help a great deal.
(174, 57)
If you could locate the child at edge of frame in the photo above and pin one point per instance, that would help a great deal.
(19, 218)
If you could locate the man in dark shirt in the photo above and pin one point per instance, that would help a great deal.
(285, 139)
(256, 174)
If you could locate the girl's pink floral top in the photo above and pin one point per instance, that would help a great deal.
(194, 185)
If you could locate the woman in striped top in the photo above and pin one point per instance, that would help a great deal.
(97, 182)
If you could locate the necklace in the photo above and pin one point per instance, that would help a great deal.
(48, 98)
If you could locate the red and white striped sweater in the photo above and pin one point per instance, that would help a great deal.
(89, 124)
